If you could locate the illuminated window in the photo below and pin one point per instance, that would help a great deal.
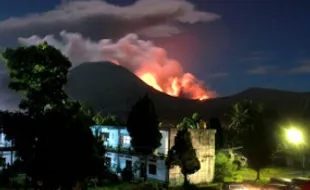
(104, 136)
(126, 139)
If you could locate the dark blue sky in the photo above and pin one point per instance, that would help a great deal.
(256, 43)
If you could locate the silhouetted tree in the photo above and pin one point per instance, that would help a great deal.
(143, 128)
(112, 120)
(255, 127)
(87, 109)
(52, 134)
(214, 123)
(183, 154)
(194, 122)
(21, 129)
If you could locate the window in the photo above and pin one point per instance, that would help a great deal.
(152, 169)
(126, 139)
(2, 138)
(128, 163)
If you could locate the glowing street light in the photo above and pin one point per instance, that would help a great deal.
(294, 136)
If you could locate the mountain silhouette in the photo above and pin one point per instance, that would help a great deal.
(113, 89)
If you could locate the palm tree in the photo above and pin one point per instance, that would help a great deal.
(251, 127)
(244, 114)
(240, 119)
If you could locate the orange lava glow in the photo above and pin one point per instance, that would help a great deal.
(177, 85)
(204, 98)
(150, 79)
(153, 66)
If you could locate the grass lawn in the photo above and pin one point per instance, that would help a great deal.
(245, 174)
(265, 174)
(126, 186)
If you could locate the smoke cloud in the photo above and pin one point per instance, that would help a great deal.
(147, 61)
(97, 18)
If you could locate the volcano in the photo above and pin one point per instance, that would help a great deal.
(112, 89)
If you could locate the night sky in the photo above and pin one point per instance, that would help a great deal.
(254, 43)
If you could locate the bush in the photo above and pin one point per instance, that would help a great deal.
(127, 174)
(150, 185)
(10, 174)
(190, 187)
(108, 177)
(5, 176)
(224, 168)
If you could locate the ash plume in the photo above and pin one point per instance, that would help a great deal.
(147, 61)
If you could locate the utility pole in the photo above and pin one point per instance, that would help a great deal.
(303, 149)
(303, 164)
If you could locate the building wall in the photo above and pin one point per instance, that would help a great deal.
(204, 142)
(117, 134)
(115, 145)
(163, 149)
(119, 159)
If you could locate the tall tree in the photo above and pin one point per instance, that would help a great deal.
(183, 154)
(143, 128)
(239, 117)
(214, 123)
(255, 127)
(52, 134)
(40, 73)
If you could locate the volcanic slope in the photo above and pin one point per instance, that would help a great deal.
(113, 89)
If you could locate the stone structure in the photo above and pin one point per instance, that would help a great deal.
(204, 142)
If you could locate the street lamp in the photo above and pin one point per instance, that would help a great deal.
(295, 136)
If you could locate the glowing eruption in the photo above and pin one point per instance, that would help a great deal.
(150, 79)
(147, 61)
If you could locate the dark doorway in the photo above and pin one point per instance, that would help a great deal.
(142, 170)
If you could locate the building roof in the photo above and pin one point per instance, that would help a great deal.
(125, 127)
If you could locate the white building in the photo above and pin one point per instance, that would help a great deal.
(6, 151)
(119, 154)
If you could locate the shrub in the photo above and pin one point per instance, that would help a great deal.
(150, 185)
(127, 174)
(108, 177)
(224, 168)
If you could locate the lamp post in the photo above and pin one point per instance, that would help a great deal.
(295, 137)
